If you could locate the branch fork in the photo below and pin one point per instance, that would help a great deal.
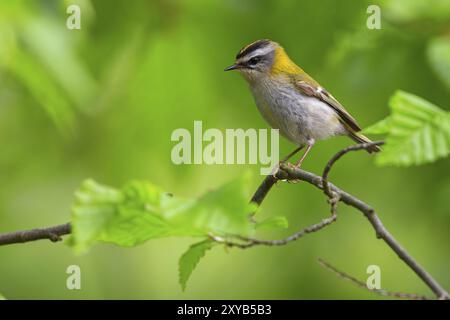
(334, 196)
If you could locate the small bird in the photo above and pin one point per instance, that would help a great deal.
(292, 101)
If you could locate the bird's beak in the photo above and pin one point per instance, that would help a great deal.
(233, 67)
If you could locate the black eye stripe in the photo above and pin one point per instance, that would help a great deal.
(255, 60)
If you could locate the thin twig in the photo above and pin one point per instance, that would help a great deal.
(380, 230)
(335, 195)
(363, 285)
(250, 242)
(369, 213)
(338, 155)
(289, 173)
(51, 233)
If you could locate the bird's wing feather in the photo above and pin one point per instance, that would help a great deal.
(313, 89)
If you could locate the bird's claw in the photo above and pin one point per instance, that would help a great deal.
(277, 169)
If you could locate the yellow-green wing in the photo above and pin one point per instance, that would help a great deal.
(311, 88)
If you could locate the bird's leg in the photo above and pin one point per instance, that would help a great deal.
(286, 158)
(310, 144)
(293, 153)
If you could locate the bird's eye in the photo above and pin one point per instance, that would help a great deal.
(254, 60)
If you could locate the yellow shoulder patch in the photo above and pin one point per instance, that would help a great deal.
(283, 64)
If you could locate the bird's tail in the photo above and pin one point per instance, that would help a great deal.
(360, 138)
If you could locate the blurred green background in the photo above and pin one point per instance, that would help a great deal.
(102, 102)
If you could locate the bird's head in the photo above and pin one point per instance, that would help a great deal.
(261, 59)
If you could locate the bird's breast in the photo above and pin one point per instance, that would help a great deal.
(297, 116)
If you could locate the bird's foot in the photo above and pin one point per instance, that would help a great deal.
(275, 173)
(292, 166)
(298, 164)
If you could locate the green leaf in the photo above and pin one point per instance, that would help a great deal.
(419, 132)
(222, 211)
(438, 54)
(125, 217)
(95, 206)
(189, 260)
(2, 297)
(273, 222)
(141, 211)
(381, 127)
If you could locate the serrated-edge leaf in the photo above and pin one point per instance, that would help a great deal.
(141, 211)
(419, 132)
(190, 259)
(402, 98)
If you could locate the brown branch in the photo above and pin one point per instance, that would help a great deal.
(51, 233)
(269, 181)
(338, 155)
(381, 231)
(363, 285)
(250, 242)
(263, 189)
(290, 173)
(258, 198)
(335, 194)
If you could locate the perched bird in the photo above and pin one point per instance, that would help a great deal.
(290, 100)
